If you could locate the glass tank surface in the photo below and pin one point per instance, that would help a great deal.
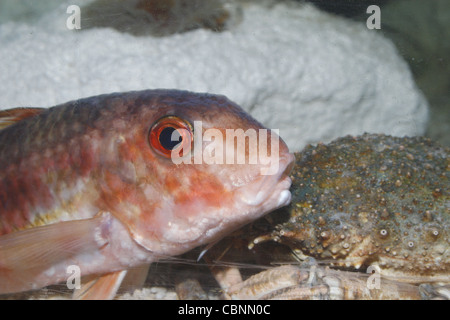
(358, 90)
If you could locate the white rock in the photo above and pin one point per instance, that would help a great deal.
(312, 75)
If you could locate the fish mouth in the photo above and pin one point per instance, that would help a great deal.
(270, 192)
(261, 196)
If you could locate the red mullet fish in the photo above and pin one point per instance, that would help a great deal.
(91, 183)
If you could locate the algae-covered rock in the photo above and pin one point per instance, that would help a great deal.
(373, 199)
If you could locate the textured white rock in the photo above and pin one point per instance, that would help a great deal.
(311, 75)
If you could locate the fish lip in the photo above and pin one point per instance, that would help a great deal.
(270, 192)
(287, 162)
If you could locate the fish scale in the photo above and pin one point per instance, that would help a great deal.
(35, 164)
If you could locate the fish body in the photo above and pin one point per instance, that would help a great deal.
(92, 183)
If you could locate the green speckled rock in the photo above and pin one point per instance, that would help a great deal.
(372, 199)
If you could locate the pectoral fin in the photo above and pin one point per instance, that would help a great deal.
(28, 253)
(106, 286)
(135, 278)
(101, 288)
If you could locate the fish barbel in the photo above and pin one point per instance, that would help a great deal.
(92, 183)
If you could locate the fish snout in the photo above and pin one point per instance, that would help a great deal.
(280, 161)
(270, 190)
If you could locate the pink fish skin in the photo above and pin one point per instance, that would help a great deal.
(83, 184)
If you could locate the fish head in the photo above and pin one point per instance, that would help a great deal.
(184, 169)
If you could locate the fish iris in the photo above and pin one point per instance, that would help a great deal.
(171, 135)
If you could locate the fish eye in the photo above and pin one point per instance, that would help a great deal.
(169, 135)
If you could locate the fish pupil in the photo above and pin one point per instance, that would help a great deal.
(169, 138)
